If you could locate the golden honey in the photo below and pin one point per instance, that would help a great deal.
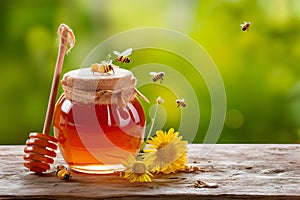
(96, 136)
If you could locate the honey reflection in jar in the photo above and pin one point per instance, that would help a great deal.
(96, 138)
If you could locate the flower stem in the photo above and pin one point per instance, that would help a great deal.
(150, 130)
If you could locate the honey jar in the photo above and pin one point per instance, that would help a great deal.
(98, 120)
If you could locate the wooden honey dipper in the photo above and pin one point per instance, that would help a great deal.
(40, 147)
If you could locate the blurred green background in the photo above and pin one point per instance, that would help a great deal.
(260, 68)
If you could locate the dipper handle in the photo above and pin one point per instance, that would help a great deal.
(66, 36)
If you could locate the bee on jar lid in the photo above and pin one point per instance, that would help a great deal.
(245, 26)
(103, 68)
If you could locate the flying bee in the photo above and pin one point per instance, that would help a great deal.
(180, 103)
(103, 67)
(62, 173)
(157, 76)
(123, 57)
(245, 26)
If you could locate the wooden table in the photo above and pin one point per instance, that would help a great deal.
(240, 171)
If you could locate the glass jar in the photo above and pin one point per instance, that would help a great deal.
(98, 120)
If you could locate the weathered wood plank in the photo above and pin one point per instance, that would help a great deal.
(241, 171)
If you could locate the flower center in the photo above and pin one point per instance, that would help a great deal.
(166, 152)
(139, 167)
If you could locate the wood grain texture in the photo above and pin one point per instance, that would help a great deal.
(241, 171)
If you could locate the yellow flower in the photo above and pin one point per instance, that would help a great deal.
(167, 153)
(136, 171)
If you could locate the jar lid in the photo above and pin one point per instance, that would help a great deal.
(83, 85)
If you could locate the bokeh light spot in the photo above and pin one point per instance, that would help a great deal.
(234, 119)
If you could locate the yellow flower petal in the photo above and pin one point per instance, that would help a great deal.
(167, 152)
(136, 171)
